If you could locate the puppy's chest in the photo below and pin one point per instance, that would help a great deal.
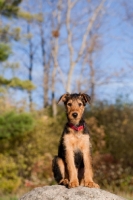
(76, 140)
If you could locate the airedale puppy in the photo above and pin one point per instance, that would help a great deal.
(72, 167)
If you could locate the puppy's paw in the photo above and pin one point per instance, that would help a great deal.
(64, 182)
(91, 184)
(73, 184)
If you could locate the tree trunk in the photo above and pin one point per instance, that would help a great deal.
(92, 79)
(45, 67)
(30, 68)
(55, 65)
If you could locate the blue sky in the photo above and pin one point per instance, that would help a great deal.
(114, 56)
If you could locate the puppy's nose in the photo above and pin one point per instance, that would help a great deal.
(75, 114)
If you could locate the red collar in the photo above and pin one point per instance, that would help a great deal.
(76, 128)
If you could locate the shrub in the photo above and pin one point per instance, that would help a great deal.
(9, 179)
(116, 121)
(15, 124)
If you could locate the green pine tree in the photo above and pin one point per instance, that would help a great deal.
(9, 9)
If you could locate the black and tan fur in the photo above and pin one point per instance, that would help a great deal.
(72, 167)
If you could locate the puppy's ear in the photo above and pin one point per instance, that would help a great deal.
(64, 98)
(86, 98)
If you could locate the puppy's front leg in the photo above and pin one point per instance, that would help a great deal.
(72, 171)
(88, 174)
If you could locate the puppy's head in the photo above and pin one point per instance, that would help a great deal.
(75, 105)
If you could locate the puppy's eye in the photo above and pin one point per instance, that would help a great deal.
(80, 104)
(69, 104)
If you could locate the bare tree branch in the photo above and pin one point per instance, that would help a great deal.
(70, 46)
(55, 49)
(84, 40)
(90, 25)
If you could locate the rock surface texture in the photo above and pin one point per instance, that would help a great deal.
(58, 192)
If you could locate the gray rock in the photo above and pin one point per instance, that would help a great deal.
(58, 192)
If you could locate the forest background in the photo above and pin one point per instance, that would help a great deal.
(51, 47)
